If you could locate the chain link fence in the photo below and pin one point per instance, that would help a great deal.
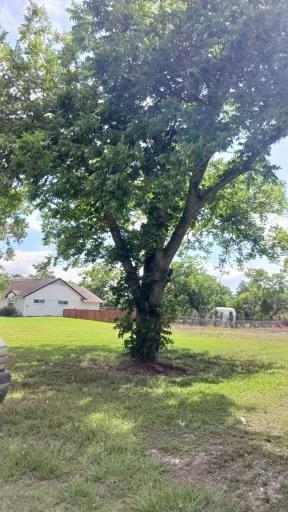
(240, 323)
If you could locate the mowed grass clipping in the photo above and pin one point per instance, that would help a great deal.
(84, 430)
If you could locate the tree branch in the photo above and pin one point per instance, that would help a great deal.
(200, 171)
(123, 254)
(195, 201)
(238, 169)
(190, 211)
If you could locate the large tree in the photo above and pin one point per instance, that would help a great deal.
(13, 209)
(152, 122)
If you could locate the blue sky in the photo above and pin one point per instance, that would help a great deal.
(11, 13)
(32, 250)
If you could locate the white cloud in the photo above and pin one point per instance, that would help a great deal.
(278, 220)
(23, 262)
(229, 276)
(34, 221)
(55, 7)
(12, 12)
(72, 274)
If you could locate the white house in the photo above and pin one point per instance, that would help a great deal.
(48, 297)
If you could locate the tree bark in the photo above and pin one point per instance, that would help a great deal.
(148, 331)
(150, 323)
(123, 255)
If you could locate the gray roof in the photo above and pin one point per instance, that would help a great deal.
(22, 287)
(86, 294)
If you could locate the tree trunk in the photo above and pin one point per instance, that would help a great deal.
(150, 331)
(147, 333)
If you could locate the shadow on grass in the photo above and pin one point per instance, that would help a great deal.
(202, 367)
(86, 364)
(115, 421)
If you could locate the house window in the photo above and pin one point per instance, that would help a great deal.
(11, 301)
(39, 301)
(63, 302)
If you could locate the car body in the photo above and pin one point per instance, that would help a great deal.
(5, 376)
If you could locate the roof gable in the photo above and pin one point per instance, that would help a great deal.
(22, 287)
(84, 292)
(26, 286)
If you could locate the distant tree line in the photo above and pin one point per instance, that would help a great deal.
(263, 295)
(193, 290)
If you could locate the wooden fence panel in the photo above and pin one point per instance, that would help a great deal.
(102, 315)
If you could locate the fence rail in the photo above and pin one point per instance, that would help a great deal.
(111, 314)
(239, 323)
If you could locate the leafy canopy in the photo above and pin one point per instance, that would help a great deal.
(150, 122)
(139, 98)
(263, 295)
(13, 209)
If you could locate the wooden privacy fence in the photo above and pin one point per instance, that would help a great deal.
(102, 315)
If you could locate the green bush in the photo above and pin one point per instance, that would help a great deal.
(9, 311)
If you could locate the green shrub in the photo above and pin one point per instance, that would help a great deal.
(9, 311)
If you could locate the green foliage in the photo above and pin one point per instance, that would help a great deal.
(8, 311)
(150, 121)
(238, 221)
(147, 333)
(263, 295)
(102, 279)
(13, 208)
(44, 269)
(192, 288)
(4, 281)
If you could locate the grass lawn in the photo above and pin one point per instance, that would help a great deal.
(83, 430)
